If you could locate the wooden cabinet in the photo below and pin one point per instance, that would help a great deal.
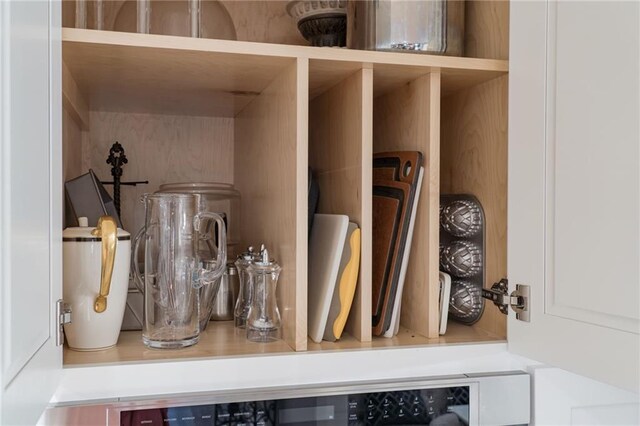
(258, 115)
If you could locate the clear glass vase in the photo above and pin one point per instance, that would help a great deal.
(81, 14)
(143, 14)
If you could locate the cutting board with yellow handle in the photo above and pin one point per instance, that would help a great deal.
(325, 251)
(345, 285)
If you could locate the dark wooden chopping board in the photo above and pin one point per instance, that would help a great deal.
(390, 213)
(400, 166)
(395, 176)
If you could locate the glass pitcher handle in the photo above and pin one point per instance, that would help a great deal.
(208, 276)
(137, 276)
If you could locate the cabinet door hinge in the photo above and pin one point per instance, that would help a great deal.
(63, 312)
(518, 299)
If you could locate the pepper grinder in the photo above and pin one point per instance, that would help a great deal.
(243, 303)
(264, 323)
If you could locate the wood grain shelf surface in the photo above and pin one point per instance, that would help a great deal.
(222, 339)
(456, 334)
(130, 72)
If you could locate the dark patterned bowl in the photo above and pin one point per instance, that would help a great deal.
(322, 23)
(325, 30)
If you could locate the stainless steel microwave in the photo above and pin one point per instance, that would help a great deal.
(500, 398)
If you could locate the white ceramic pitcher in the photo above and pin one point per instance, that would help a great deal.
(96, 277)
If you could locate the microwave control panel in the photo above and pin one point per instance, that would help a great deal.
(437, 406)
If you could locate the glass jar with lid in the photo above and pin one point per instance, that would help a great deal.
(215, 197)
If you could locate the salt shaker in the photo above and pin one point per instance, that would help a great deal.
(264, 323)
(243, 303)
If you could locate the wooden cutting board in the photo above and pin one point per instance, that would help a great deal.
(400, 167)
(325, 251)
(395, 317)
(390, 226)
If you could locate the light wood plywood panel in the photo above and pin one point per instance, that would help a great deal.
(271, 173)
(263, 21)
(340, 150)
(408, 119)
(73, 100)
(456, 334)
(302, 200)
(72, 147)
(487, 29)
(474, 161)
(160, 149)
(120, 77)
(117, 40)
(220, 339)
(68, 13)
(324, 75)
(180, 75)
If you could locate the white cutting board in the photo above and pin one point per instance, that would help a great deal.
(326, 243)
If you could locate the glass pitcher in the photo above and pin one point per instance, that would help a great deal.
(174, 270)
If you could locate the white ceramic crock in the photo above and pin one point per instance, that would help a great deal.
(93, 327)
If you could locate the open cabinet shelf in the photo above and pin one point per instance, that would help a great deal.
(258, 115)
(222, 339)
(130, 72)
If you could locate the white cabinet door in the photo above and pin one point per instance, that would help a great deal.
(574, 185)
(30, 207)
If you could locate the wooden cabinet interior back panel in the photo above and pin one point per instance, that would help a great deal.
(270, 166)
(487, 29)
(73, 99)
(409, 119)
(68, 13)
(474, 161)
(160, 149)
(324, 74)
(340, 150)
(72, 147)
(262, 20)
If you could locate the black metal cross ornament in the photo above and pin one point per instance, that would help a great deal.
(117, 159)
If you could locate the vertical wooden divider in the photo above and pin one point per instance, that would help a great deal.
(340, 150)
(270, 171)
(409, 119)
(302, 203)
(486, 29)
